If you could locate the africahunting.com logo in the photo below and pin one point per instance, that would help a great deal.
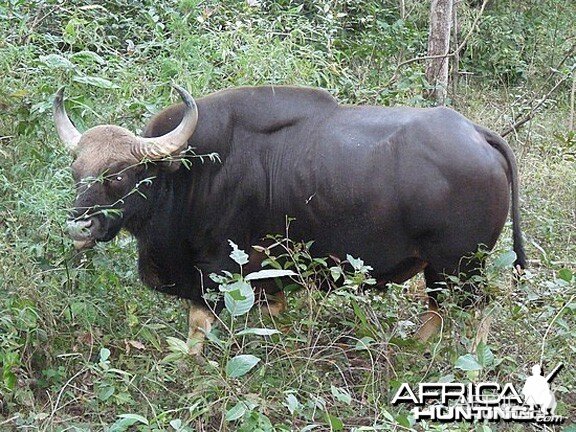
(490, 401)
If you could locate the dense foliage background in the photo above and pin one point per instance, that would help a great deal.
(84, 346)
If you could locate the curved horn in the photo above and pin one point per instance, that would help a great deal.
(66, 130)
(174, 141)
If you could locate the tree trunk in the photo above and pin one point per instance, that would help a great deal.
(438, 49)
(455, 46)
(572, 101)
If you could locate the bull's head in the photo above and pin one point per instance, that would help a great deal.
(111, 167)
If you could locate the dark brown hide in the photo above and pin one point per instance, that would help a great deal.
(404, 189)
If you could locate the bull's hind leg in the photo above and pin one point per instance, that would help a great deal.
(200, 320)
(475, 297)
(471, 294)
(432, 321)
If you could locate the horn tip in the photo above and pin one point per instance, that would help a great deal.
(59, 95)
(186, 97)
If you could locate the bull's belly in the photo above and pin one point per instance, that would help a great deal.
(393, 256)
(397, 243)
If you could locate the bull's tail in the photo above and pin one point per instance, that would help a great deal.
(502, 146)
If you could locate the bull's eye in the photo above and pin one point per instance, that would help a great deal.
(119, 178)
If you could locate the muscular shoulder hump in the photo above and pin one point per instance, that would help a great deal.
(261, 109)
(285, 93)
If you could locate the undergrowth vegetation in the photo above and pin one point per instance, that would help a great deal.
(84, 346)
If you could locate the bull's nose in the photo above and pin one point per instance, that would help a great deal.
(79, 228)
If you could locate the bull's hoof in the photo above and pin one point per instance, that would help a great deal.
(483, 331)
(432, 324)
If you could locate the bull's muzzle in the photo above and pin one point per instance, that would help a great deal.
(80, 232)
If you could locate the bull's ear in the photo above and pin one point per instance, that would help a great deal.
(169, 165)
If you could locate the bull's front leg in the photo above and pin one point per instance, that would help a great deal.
(274, 304)
(200, 320)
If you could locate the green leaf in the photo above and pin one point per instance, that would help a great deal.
(105, 392)
(364, 343)
(147, 334)
(267, 274)
(121, 425)
(258, 332)
(356, 263)
(176, 424)
(387, 415)
(238, 297)
(126, 421)
(341, 394)
(241, 365)
(505, 260)
(294, 406)
(173, 357)
(468, 363)
(566, 275)
(212, 337)
(55, 61)
(335, 423)
(446, 378)
(96, 82)
(9, 379)
(87, 57)
(485, 355)
(177, 345)
(403, 420)
(136, 417)
(104, 354)
(236, 411)
(238, 255)
(360, 314)
(336, 273)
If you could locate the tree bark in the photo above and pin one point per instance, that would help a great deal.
(572, 101)
(455, 47)
(438, 48)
